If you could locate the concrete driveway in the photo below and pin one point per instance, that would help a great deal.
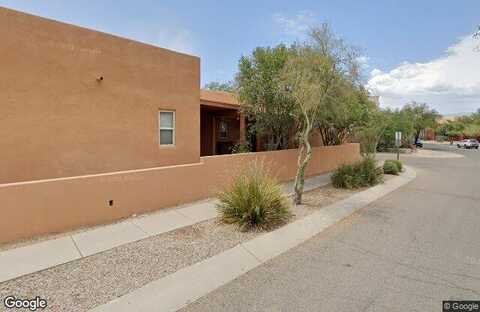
(405, 252)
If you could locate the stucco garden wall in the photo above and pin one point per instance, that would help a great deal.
(56, 205)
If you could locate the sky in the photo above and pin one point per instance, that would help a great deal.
(419, 50)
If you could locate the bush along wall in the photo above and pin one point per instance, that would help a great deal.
(361, 174)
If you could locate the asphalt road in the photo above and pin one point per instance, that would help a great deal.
(405, 252)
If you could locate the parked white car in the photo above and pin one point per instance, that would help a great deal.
(468, 143)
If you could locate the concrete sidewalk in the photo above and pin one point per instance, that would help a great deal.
(28, 259)
(177, 290)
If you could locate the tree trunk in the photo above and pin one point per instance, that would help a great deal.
(417, 135)
(304, 156)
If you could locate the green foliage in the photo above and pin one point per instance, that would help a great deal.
(241, 148)
(391, 167)
(263, 101)
(369, 173)
(398, 163)
(254, 200)
(410, 120)
(472, 130)
(422, 117)
(345, 102)
(217, 86)
(345, 177)
(347, 109)
(467, 126)
(453, 130)
(370, 134)
(322, 79)
(396, 120)
(361, 174)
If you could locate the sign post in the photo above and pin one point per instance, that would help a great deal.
(398, 142)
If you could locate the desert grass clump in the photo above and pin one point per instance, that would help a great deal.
(361, 174)
(254, 200)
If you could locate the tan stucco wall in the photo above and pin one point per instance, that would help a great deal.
(56, 120)
(57, 205)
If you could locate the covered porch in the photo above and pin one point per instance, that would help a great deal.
(222, 126)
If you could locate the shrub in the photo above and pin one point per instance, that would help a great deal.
(254, 200)
(241, 148)
(398, 163)
(369, 173)
(390, 167)
(363, 173)
(345, 177)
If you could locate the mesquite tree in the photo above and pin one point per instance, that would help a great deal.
(268, 109)
(346, 110)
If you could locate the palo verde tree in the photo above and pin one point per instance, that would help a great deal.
(347, 106)
(263, 103)
(311, 76)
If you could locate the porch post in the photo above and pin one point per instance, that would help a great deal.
(243, 138)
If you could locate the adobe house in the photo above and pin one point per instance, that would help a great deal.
(95, 128)
(76, 101)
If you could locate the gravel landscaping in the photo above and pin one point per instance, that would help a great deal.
(88, 282)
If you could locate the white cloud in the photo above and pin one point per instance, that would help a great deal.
(376, 72)
(363, 61)
(296, 25)
(449, 84)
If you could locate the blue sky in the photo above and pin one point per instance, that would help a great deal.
(398, 38)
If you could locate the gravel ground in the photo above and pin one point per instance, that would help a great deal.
(85, 283)
(318, 198)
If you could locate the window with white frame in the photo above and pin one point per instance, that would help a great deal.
(167, 127)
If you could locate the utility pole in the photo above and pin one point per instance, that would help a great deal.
(398, 142)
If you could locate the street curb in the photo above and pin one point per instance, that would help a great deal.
(183, 287)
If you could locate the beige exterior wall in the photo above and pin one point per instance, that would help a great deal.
(70, 143)
(57, 120)
(57, 205)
